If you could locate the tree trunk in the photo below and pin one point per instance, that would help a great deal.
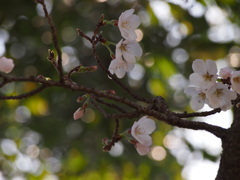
(229, 168)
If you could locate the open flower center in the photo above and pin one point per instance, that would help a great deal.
(207, 77)
(202, 96)
(236, 79)
(126, 25)
(123, 47)
(139, 130)
(218, 93)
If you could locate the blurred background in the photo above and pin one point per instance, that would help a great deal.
(39, 138)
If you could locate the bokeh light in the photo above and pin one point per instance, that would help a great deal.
(158, 153)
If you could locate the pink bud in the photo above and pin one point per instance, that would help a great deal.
(93, 68)
(141, 149)
(80, 98)
(6, 65)
(78, 113)
(111, 92)
(115, 23)
(105, 141)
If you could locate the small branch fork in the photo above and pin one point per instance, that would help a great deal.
(155, 107)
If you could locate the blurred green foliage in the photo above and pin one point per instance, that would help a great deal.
(39, 138)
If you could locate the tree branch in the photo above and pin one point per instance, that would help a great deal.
(198, 114)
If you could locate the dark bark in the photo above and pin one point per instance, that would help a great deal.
(229, 168)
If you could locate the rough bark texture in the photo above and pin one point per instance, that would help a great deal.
(229, 168)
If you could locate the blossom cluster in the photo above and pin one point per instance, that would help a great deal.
(127, 49)
(141, 131)
(208, 87)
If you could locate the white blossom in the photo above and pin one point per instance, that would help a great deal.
(6, 65)
(141, 130)
(128, 50)
(198, 97)
(205, 73)
(127, 24)
(220, 96)
(120, 67)
(235, 81)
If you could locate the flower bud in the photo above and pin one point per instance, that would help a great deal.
(110, 92)
(105, 141)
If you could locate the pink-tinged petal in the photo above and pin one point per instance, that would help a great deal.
(211, 67)
(118, 51)
(190, 91)
(112, 66)
(6, 65)
(199, 66)
(134, 47)
(78, 113)
(144, 139)
(125, 15)
(129, 58)
(225, 72)
(235, 81)
(125, 34)
(148, 124)
(196, 104)
(130, 66)
(131, 35)
(195, 79)
(120, 73)
(141, 149)
(134, 21)
(226, 106)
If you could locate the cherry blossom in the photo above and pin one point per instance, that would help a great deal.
(127, 24)
(128, 50)
(198, 97)
(6, 65)
(120, 67)
(235, 81)
(142, 149)
(141, 130)
(205, 73)
(220, 96)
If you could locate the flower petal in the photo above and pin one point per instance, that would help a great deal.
(211, 67)
(199, 66)
(148, 124)
(144, 139)
(141, 149)
(134, 21)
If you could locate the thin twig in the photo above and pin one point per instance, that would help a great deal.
(54, 38)
(101, 110)
(24, 95)
(111, 105)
